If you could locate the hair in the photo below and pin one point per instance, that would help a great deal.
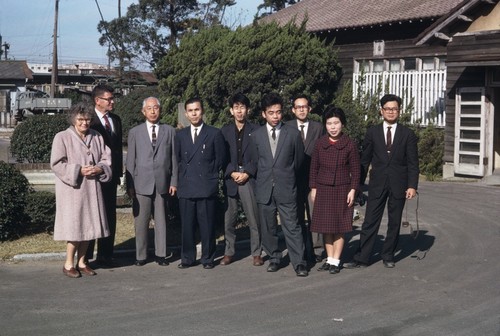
(101, 89)
(331, 112)
(239, 98)
(193, 100)
(301, 96)
(146, 99)
(390, 97)
(82, 108)
(271, 99)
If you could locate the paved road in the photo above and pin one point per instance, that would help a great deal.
(445, 283)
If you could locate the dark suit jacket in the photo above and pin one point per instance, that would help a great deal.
(199, 163)
(147, 169)
(278, 172)
(314, 132)
(248, 156)
(399, 170)
(113, 141)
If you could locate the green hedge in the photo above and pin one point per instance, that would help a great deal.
(14, 188)
(40, 212)
(32, 139)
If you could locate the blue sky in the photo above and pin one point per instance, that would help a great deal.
(27, 25)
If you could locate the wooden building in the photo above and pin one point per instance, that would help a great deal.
(441, 56)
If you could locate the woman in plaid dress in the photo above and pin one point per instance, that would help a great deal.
(334, 179)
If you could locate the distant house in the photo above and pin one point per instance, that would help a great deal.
(442, 56)
(13, 77)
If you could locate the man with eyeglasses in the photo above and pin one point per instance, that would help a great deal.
(109, 125)
(310, 131)
(391, 149)
(151, 177)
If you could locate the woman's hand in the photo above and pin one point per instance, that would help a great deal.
(351, 196)
(313, 194)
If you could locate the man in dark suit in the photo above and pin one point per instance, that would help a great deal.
(280, 152)
(151, 178)
(310, 131)
(109, 125)
(239, 179)
(200, 154)
(391, 148)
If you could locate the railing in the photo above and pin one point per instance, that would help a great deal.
(423, 91)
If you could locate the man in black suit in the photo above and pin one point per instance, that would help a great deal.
(391, 148)
(239, 179)
(280, 152)
(310, 131)
(109, 125)
(200, 154)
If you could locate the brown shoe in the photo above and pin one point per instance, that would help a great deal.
(257, 261)
(226, 260)
(86, 270)
(72, 272)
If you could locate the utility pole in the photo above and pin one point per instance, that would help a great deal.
(55, 65)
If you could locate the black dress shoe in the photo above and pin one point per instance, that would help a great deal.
(324, 267)
(162, 261)
(354, 264)
(208, 266)
(334, 269)
(140, 262)
(319, 258)
(183, 266)
(389, 264)
(301, 271)
(273, 267)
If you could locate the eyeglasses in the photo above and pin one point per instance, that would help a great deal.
(301, 107)
(390, 109)
(109, 100)
(83, 120)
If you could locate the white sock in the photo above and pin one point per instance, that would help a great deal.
(335, 262)
(330, 261)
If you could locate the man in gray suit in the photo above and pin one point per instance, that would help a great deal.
(151, 178)
(280, 152)
(310, 131)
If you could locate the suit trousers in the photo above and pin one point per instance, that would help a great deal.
(304, 209)
(249, 204)
(290, 227)
(142, 209)
(106, 245)
(198, 213)
(369, 230)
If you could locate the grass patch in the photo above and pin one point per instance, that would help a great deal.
(45, 243)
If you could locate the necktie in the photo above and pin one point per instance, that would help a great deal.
(153, 136)
(273, 133)
(389, 139)
(195, 135)
(107, 125)
(302, 134)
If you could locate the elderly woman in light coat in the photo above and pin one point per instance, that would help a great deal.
(80, 162)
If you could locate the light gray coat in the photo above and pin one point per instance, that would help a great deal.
(80, 212)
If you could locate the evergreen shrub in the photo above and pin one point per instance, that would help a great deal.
(32, 139)
(40, 211)
(14, 188)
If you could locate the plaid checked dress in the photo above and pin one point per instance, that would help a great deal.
(335, 170)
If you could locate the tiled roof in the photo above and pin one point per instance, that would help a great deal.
(15, 70)
(340, 14)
